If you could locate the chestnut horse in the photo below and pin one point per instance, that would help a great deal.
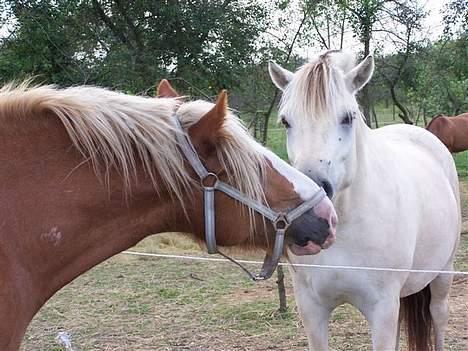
(452, 131)
(87, 173)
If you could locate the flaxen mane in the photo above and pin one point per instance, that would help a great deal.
(317, 86)
(115, 131)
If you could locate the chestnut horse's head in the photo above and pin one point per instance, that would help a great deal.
(227, 150)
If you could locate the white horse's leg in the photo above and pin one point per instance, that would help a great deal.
(439, 307)
(315, 318)
(316, 327)
(383, 320)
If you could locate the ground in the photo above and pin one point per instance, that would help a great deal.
(142, 304)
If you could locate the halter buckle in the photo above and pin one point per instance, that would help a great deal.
(209, 181)
(281, 222)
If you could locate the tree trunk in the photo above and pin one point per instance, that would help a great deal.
(375, 116)
(342, 31)
(424, 116)
(267, 117)
(405, 114)
(365, 92)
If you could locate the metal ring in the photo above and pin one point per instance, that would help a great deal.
(281, 222)
(209, 177)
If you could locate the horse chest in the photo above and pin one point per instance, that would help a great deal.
(336, 287)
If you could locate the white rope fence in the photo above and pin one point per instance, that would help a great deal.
(354, 268)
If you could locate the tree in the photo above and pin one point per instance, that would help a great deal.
(129, 45)
(407, 17)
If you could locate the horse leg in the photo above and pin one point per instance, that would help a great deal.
(316, 327)
(315, 318)
(383, 320)
(439, 307)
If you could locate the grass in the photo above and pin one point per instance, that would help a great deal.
(141, 303)
(461, 161)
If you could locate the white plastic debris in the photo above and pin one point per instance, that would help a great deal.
(64, 339)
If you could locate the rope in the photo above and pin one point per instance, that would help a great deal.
(354, 268)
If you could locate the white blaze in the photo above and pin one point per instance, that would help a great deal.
(303, 186)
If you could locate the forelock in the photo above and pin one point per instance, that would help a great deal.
(318, 89)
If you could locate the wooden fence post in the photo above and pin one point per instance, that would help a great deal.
(283, 307)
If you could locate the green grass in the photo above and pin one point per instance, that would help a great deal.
(461, 161)
(140, 303)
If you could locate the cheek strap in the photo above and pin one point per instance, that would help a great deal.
(210, 183)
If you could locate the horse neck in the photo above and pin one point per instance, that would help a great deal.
(434, 119)
(58, 219)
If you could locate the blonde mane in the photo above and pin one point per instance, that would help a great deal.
(318, 86)
(118, 131)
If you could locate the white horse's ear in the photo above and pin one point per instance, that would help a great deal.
(280, 76)
(360, 75)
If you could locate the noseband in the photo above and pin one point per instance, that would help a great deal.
(210, 183)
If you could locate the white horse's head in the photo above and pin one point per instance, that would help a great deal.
(321, 116)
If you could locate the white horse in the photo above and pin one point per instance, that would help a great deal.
(397, 198)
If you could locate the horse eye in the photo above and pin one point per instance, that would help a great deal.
(348, 119)
(285, 123)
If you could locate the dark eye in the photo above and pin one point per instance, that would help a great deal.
(347, 119)
(285, 123)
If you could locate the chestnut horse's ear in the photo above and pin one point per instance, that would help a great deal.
(208, 128)
(166, 90)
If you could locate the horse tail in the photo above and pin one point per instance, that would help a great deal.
(414, 312)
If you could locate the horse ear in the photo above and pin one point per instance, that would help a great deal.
(360, 75)
(207, 130)
(166, 90)
(280, 76)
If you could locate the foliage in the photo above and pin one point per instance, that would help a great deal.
(456, 17)
(129, 45)
(440, 77)
(206, 45)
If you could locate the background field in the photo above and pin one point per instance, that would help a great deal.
(139, 303)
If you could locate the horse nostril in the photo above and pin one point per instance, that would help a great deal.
(326, 185)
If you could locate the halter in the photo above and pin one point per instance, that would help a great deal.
(210, 183)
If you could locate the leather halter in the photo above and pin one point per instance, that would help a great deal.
(210, 183)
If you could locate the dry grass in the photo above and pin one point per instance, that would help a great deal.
(139, 303)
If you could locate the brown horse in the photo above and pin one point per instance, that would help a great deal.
(452, 131)
(86, 173)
